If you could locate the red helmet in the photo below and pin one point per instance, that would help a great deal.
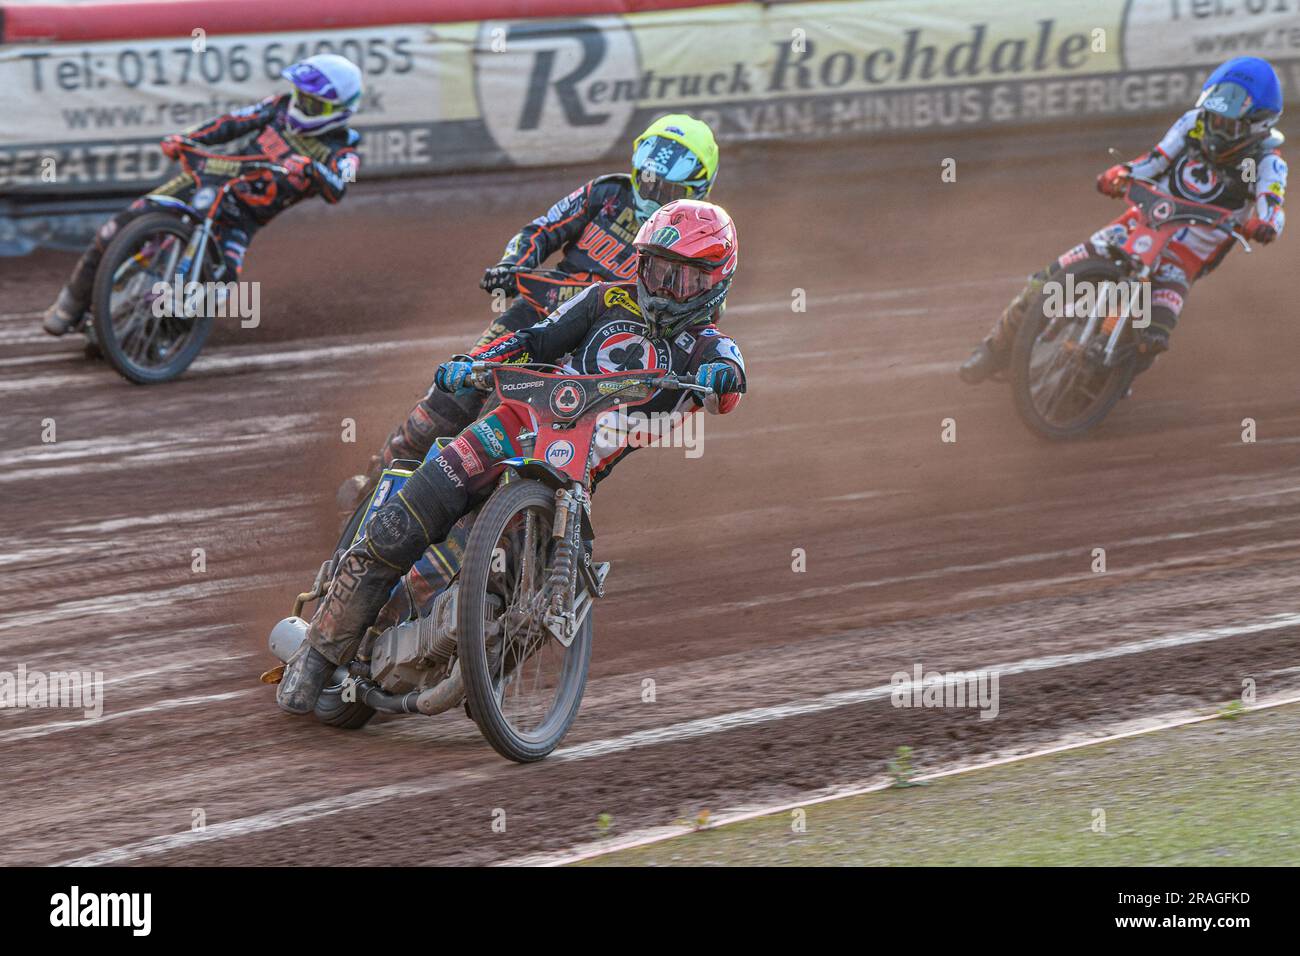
(686, 256)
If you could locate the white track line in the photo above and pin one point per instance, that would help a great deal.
(271, 820)
(660, 834)
(44, 730)
(364, 799)
(759, 715)
(996, 564)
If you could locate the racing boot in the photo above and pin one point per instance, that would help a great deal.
(1152, 342)
(304, 678)
(984, 362)
(64, 315)
(993, 354)
(395, 538)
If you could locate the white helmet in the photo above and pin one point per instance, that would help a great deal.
(326, 88)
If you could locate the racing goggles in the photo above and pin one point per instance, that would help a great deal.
(674, 279)
(1226, 127)
(310, 105)
(652, 186)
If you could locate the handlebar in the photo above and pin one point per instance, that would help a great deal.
(1227, 230)
(480, 377)
(1241, 240)
(674, 382)
(247, 162)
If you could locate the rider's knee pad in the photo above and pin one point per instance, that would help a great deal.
(396, 536)
(436, 496)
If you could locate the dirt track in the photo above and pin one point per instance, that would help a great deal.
(954, 556)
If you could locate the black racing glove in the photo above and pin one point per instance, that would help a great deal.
(500, 276)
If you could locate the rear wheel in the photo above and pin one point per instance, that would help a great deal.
(333, 710)
(145, 348)
(352, 527)
(1060, 385)
(523, 687)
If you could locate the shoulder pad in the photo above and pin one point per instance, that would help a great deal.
(1274, 139)
(340, 138)
(622, 180)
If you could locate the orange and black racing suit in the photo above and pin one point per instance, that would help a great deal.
(260, 128)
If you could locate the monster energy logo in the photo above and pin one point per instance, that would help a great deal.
(665, 236)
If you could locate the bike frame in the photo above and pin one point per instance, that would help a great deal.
(566, 410)
(1159, 216)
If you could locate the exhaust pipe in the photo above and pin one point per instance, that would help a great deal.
(287, 636)
(443, 695)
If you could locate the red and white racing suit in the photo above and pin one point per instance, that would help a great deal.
(1255, 187)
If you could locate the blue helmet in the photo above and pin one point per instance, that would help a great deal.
(1239, 104)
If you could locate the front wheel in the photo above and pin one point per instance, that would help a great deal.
(140, 340)
(1061, 387)
(523, 687)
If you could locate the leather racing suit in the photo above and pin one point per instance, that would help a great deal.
(592, 228)
(260, 128)
(600, 330)
(1180, 168)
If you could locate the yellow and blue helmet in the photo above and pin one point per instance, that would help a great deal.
(675, 158)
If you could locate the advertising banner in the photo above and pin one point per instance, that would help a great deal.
(85, 117)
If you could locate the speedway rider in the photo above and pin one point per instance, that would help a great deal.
(593, 228)
(305, 131)
(686, 255)
(1224, 151)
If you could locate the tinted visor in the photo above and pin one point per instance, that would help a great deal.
(1226, 128)
(1225, 107)
(310, 105)
(649, 185)
(672, 278)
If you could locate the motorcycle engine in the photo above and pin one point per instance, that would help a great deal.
(417, 654)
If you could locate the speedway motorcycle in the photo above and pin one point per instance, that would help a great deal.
(147, 344)
(511, 636)
(1069, 370)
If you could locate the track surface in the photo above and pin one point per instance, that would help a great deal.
(951, 555)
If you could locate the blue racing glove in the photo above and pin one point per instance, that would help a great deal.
(721, 377)
(451, 376)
